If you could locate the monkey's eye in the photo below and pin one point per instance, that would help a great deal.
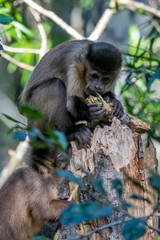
(106, 79)
(94, 75)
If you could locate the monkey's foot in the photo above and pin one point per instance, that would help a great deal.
(82, 135)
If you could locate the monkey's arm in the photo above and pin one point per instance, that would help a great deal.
(118, 109)
(48, 210)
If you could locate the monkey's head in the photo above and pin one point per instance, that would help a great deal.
(102, 67)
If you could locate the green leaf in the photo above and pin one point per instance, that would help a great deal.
(31, 113)
(135, 182)
(126, 204)
(87, 211)
(154, 76)
(96, 183)
(134, 229)
(38, 144)
(40, 238)
(118, 186)
(154, 181)
(59, 138)
(1, 47)
(12, 119)
(5, 19)
(23, 29)
(137, 197)
(70, 176)
(20, 135)
(6, 28)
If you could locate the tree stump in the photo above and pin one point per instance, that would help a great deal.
(114, 151)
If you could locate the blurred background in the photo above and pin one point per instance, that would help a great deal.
(135, 30)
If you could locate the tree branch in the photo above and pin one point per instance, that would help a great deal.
(102, 23)
(20, 50)
(43, 48)
(71, 31)
(153, 228)
(133, 5)
(19, 64)
(117, 223)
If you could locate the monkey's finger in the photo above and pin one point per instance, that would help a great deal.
(78, 137)
(81, 136)
(120, 114)
(87, 135)
(88, 130)
(86, 138)
(118, 109)
(108, 99)
(99, 113)
(92, 104)
(95, 108)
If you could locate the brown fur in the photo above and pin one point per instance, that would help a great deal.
(29, 199)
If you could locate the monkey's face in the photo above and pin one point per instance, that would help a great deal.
(98, 80)
(95, 83)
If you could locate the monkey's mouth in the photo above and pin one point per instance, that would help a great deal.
(89, 92)
(63, 198)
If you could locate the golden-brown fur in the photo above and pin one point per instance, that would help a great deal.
(29, 199)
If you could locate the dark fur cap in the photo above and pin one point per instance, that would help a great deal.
(104, 56)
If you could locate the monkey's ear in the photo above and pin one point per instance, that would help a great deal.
(81, 57)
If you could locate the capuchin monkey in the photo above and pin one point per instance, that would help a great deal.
(29, 199)
(62, 80)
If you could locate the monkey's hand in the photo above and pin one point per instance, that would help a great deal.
(82, 135)
(118, 109)
(62, 160)
(96, 112)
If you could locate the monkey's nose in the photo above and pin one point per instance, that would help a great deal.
(99, 88)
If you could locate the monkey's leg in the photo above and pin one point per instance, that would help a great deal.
(118, 109)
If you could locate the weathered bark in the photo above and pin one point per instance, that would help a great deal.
(114, 150)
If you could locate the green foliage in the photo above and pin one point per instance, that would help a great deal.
(21, 33)
(134, 229)
(77, 213)
(12, 119)
(87, 4)
(70, 176)
(5, 19)
(134, 196)
(118, 186)
(31, 113)
(154, 181)
(40, 238)
(142, 79)
(37, 138)
(96, 183)
(57, 138)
